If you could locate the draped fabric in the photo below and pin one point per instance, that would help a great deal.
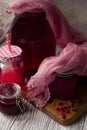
(72, 58)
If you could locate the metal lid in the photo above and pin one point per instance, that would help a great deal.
(13, 55)
(65, 74)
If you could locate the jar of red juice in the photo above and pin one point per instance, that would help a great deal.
(10, 99)
(11, 65)
(32, 32)
(63, 86)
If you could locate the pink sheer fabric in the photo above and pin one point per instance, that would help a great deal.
(72, 58)
(64, 33)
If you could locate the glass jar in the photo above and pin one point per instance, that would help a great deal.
(32, 32)
(10, 99)
(11, 65)
(82, 80)
(63, 86)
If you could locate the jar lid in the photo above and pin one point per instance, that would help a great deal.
(9, 92)
(13, 55)
(65, 74)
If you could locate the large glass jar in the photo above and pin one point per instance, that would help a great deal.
(32, 32)
(11, 65)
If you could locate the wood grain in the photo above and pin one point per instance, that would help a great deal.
(71, 117)
(73, 113)
(34, 119)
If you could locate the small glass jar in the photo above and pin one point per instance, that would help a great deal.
(10, 99)
(63, 86)
(11, 65)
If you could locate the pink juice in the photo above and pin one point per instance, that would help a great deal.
(12, 76)
(9, 94)
(11, 65)
(32, 32)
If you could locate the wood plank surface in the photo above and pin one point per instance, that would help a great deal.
(34, 119)
(67, 111)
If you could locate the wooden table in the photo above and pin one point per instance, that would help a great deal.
(34, 119)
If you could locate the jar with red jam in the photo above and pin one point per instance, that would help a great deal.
(10, 99)
(63, 86)
(32, 32)
(11, 65)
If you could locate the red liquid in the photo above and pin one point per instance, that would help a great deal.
(11, 65)
(8, 95)
(14, 74)
(33, 34)
(12, 109)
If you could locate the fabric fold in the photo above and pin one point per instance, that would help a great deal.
(72, 58)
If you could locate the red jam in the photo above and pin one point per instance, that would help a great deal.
(63, 86)
(32, 32)
(10, 94)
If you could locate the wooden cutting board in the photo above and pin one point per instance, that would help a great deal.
(67, 111)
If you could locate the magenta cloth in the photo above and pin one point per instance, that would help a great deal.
(72, 58)
(64, 33)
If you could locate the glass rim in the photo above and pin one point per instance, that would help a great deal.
(15, 95)
(67, 74)
(12, 59)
